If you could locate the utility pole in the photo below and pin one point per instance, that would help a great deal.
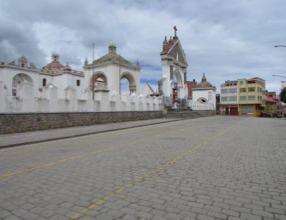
(280, 76)
(280, 46)
(93, 81)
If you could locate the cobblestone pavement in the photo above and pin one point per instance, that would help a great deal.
(207, 168)
(11, 140)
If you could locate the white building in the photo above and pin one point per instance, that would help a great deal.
(109, 70)
(147, 90)
(22, 71)
(204, 97)
(57, 88)
(229, 97)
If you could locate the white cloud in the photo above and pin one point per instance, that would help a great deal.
(226, 39)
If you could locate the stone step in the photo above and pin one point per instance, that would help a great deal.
(185, 114)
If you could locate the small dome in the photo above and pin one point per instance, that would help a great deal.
(55, 64)
(67, 68)
(204, 83)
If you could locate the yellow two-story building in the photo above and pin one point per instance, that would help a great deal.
(251, 93)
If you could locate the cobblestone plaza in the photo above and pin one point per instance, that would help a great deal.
(207, 168)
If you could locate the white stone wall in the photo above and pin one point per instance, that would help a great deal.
(7, 75)
(209, 95)
(51, 102)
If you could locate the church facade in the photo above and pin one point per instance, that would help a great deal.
(174, 68)
(57, 87)
(203, 96)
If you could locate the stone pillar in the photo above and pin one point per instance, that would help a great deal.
(102, 99)
(3, 94)
(26, 93)
(71, 99)
(51, 93)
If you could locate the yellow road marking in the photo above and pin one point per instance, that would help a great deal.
(81, 156)
(150, 173)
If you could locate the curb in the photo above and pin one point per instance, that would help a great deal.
(85, 134)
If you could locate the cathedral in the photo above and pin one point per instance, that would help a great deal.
(56, 87)
(103, 73)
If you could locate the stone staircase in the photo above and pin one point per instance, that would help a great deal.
(185, 113)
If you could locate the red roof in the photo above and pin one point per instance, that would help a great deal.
(270, 99)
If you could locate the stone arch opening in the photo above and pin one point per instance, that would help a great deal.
(98, 81)
(18, 81)
(177, 76)
(127, 84)
(202, 100)
(176, 84)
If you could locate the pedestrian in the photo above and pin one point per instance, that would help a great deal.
(178, 107)
(175, 105)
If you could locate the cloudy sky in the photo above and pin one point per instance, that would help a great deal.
(226, 39)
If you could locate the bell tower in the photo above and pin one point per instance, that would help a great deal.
(174, 66)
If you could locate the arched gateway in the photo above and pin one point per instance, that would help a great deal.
(106, 72)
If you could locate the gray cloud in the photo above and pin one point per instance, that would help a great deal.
(227, 39)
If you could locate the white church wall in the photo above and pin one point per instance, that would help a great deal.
(51, 103)
(62, 93)
(8, 75)
(166, 76)
(208, 95)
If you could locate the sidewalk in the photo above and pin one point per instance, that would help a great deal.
(13, 140)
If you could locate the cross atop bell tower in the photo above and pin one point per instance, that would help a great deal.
(175, 31)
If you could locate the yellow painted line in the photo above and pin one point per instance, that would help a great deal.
(81, 156)
(150, 173)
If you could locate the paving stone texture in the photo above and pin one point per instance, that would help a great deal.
(207, 168)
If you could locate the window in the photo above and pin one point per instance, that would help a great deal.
(259, 98)
(259, 89)
(233, 90)
(242, 98)
(240, 82)
(223, 91)
(232, 98)
(251, 89)
(14, 92)
(251, 98)
(44, 82)
(242, 90)
(23, 65)
(224, 99)
(78, 82)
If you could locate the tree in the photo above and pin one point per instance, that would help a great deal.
(283, 95)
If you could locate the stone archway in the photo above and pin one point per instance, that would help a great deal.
(131, 80)
(98, 81)
(202, 100)
(18, 81)
(176, 85)
(179, 78)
